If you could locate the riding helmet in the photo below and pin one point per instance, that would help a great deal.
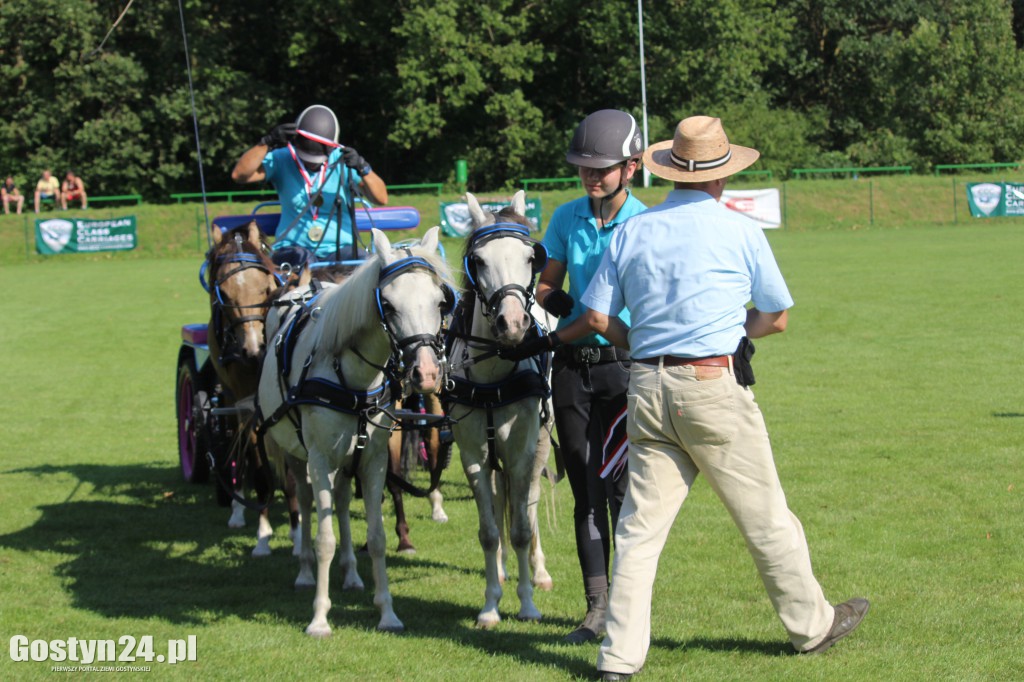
(316, 134)
(603, 139)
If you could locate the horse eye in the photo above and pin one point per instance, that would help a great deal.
(387, 307)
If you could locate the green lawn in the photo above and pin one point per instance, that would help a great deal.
(895, 406)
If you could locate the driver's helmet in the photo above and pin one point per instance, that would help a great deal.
(316, 134)
(605, 138)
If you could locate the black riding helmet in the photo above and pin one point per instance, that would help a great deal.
(603, 139)
(316, 134)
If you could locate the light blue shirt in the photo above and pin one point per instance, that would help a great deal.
(574, 238)
(284, 174)
(686, 270)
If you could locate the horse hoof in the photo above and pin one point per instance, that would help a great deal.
(487, 622)
(440, 518)
(393, 629)
(544, 585)
(319, 631)
(529, 616)
(235, 524)
(261, 551)
(301, 584)
(353, 586)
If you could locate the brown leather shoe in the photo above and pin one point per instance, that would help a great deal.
(849, 614)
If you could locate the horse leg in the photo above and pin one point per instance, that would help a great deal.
(500, 506)
(395, 467)
(325, 544)
(237, 519)
(541, 578)
(376, 540)
(304, 492)
(437, 512)
(433, 445)
(347, 557)
(294, 516)
(480, 483)
(264, 484)
(521, 534)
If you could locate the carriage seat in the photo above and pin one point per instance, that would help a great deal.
(381, 217)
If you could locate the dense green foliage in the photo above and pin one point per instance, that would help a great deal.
(500, 83)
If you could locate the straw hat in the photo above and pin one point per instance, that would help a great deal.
(700, 151)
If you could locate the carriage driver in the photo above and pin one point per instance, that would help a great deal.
(313, 175)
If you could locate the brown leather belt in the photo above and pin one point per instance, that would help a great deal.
(673, 361)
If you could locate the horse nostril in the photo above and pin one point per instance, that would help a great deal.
(501, 324)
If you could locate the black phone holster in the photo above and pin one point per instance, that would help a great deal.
(741, 362)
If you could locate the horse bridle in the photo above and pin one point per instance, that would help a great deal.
(243, 261)
(404, 349)
(499, 231)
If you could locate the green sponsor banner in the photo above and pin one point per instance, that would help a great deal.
(79, 235)
(995, 199)
(455, 220)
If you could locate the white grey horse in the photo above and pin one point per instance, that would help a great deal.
(323, 385)
(496, 403)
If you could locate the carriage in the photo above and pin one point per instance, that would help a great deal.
(207, 424)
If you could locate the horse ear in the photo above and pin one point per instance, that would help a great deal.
(477, 214)
(519, 203)
(429, 240)
(381, 244)
(254, 235)
(218, 236)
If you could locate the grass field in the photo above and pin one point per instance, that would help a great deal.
(895, 406)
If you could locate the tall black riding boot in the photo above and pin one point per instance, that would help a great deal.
(592, 626)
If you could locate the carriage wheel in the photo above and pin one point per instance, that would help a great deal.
(190, 399)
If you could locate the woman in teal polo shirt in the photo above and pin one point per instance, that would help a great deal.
(590, 375)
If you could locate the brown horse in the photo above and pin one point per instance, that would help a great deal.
(400, 442)
(242, 283)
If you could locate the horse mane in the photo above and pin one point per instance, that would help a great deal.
(506, 215)
(350, 307)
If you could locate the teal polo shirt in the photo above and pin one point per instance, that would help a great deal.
(284, 174)
(574, 238)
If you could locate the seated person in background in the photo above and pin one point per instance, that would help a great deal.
(9, 192)
(312, 174)
(48, 187)
(72, 188)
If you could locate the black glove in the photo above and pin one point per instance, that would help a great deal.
(558, 303)
(531, 347)
(357, 163)
(279, 136)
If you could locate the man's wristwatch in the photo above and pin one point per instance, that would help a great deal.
(365, 170)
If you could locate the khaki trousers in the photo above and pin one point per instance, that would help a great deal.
(683, 421)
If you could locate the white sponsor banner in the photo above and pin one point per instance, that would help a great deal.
(760, 205)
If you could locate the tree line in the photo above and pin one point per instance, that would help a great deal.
(418, 84)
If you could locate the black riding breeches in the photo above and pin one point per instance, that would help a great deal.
(586, 399)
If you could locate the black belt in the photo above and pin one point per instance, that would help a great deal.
(590, 355)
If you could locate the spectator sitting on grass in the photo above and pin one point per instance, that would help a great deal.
(9, 192)
(48, 187)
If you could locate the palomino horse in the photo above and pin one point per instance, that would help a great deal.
(241, 280)
(495, 403)
(324, 395)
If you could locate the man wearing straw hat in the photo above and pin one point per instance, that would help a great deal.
(686, 270)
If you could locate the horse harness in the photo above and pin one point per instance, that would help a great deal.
(336, 395)
(520, 383)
